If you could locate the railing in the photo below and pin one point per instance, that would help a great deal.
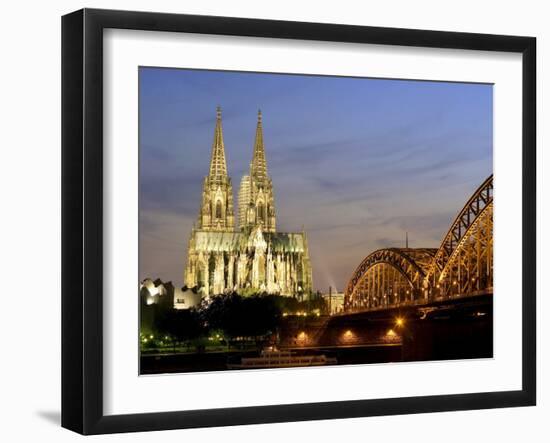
(414, 303)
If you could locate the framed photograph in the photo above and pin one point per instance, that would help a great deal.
(269, 221)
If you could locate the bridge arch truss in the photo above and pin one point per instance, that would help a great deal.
(461, 266)
(389, 277)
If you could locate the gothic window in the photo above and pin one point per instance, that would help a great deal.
(261, 213)
(261, 270)
(251, 213)
(218, 210)
(200, 277)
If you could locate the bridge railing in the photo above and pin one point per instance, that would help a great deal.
(413, 303)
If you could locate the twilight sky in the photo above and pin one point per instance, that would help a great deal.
(357, 162)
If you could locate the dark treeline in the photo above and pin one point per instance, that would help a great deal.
(231, 316)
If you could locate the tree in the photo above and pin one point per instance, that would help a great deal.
(182, 325)
(237, 316)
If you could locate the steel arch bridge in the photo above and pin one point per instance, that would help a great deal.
(462, 266)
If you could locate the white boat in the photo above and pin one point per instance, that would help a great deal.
(273, 358)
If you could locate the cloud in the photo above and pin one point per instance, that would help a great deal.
(174, 194)
(356, 162)
(163, 245)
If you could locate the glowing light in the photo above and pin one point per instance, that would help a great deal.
(348, 335)
(454, 283)
(302, 335)
(391, 333)
(151, 337)
(399, 321)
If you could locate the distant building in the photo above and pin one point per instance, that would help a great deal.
(334, 301)
(253, 256)
(186, 299)
(165, 295)
(156, 292)
(158, 297)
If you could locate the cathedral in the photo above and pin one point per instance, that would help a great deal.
(245, 254)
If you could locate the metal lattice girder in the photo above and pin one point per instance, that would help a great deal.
(482, 198)
(476, 229)
(469, 269)
(409, 264)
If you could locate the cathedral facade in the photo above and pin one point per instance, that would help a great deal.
(244, 253)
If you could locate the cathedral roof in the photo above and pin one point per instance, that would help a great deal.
(286, 241)
(238, 241)
(219, 241)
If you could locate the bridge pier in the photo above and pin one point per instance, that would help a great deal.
(443, 330)
(450, 334)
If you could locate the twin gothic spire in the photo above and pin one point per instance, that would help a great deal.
(255, 198)
(218, 166)
(243, 254)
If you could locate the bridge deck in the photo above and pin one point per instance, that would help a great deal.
(481, 297)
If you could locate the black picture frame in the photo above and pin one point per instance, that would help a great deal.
(82, 218)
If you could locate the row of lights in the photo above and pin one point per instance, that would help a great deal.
(146, 338)
(216, 337)
(438, 286)
(349, 335)
(302, 314)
